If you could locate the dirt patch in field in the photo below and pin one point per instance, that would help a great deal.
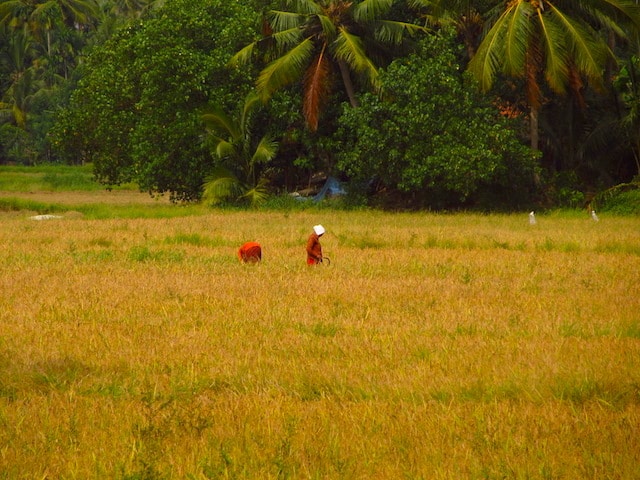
(114, 197)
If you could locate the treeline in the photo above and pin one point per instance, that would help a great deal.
(415, 103)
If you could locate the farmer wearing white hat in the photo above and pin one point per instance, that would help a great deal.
(314, 249)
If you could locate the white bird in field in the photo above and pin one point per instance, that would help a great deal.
(594, 216)
(532, 218)
(45, 217)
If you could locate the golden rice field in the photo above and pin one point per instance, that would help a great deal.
(433, 347)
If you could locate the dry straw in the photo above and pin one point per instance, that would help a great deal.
(434, 346)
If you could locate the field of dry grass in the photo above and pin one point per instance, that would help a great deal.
(433, 346)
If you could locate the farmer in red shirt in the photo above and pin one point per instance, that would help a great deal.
(314, 249)
(250, 252)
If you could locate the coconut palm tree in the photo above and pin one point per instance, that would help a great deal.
(237, 176)
(41, 15)
(552, 42)
(628, 86)
(464, 15)
(315, 38)
(129, 8)
(43, 19)
(16, 101)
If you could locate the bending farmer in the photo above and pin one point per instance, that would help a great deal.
(250, 252)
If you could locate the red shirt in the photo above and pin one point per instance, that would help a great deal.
(250, 252)
(314, 249)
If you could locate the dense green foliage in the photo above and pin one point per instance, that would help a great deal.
(135, 113)
(431, 138)
(317, 42)
(123, 85)
(48, 178)
(40, 46)
(622, 199)
(241, 157)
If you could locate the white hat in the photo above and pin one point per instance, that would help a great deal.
(319, 229)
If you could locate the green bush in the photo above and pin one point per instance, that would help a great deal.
(432, 140)
(136, 112)
(622, 199)
(17, 204)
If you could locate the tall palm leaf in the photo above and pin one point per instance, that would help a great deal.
(25, 84)
(313, 39)
(19, 98)
(462, 14)
(37, 13)
(130, 8)
(240, 157)
(553, 42)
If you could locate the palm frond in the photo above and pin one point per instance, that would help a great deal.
(556, 69)
(316, 89)
(486, 62)
(217, 121)
(284, 70)
(250, 102)
(629, 8)
(328, 27)
(306, 7)
(392, 32)
(221, 185)
(613, 24)
(287, 38)
(20, 49)
(281, 21)
(369, 10)
(44, 11)
(240, 163)
(20, 116)
(82, 10)
(265, 151)
(6, 113)
(9, 10)
(589, 51)
(349, 48)
(244, 56)
(225, 149)
(440, 7)
(517, 35)
(258, 194)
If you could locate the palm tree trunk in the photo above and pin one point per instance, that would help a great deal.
(535, 137)
(348, 84)
(533, 126)
(610, 63)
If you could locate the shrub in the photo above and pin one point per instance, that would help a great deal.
(623, 199)
(432, 140)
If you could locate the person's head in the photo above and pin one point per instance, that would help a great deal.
(319, 229)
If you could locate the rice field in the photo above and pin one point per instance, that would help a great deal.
(433, 346)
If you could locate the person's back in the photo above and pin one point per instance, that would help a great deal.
(250, 252)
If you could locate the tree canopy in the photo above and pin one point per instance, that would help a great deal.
(313, 40)
(431, 138)
(124, 84)
(552, 40)
(136, 112)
